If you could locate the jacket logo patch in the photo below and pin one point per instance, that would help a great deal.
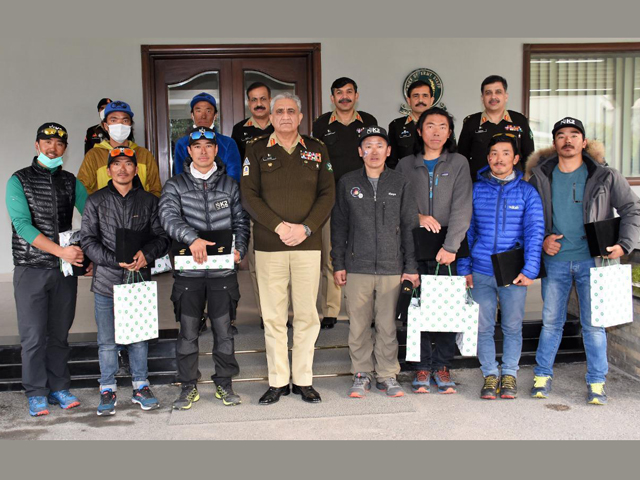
(513, 207)
(329, 132)
(356, 192)
(405, 133)
(445, 174)
(391, 194)
(222, 204)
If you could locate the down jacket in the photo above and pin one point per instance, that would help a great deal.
(504, 217)
(107, 210)
(606, 189)
(189, 205)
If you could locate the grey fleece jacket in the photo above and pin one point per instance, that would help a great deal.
(605, 190)
(451, 203)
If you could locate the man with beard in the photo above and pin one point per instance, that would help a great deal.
(402, 131)
(339, 130)
(478, 129)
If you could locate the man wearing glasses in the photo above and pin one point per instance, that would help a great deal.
(40, 200)
(479, 128)
(288, 189)
(576, 189)
(204, 199)
(118, 122)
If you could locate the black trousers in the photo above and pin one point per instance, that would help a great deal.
(46, 306)
(189, 297)
(445, 342)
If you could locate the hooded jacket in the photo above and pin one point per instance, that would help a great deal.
(93, 171)
(450, 201)
(504, 217)
(105, 212)
(190, 204)
(605, 190)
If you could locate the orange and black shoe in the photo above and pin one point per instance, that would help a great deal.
(508, 387)
(421, 381)
(490, 388)
(443, 380)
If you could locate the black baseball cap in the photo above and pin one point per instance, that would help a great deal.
(52, 130)
(373, 131)
(568, 122)
(103, 102)
(202, 133)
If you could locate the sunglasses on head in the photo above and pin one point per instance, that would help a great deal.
(202, 134)
(119, 151)
(54, 131)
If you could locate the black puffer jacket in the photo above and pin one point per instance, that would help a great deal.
(51, 197)
(189, 205)
(107, 210)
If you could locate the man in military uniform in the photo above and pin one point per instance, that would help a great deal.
(402, 131)
(339, 130)
(288, 189)
(479, 128)
(258, 98)
(97, 134)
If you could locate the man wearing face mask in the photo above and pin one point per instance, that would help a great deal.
(40, 200)
(204, 111)
(118, 122)
(96, 134)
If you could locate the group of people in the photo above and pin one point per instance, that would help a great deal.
(337, 209)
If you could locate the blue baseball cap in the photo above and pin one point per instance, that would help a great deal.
(204, 97)
(117, 106)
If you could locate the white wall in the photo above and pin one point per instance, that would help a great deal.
(64, 84)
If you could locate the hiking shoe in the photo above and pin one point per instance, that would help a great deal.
(421, 381)
(361, 385)
(391, 386)
(38, 406)
(188, 395)
(490, 388)
(508, 387)
(444, 382)
(596, 395)
(108, 402)
(64, 398)
(227, 395)
(145, 398)
(541, 387)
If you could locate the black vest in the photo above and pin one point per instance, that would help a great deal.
(51, 198)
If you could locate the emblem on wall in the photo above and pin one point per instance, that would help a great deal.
(426, 75)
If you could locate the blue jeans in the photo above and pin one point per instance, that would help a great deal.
(108, 349)
(487, 293)
(555, 295)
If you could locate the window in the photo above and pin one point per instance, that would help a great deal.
(596, 83)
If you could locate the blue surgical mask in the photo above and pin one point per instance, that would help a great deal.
(49, 162)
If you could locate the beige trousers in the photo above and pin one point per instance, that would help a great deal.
(369, 298)
(330, 294)
(275, 270)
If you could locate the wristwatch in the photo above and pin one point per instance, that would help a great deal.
(307, 230)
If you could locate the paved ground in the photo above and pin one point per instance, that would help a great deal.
(432, 416)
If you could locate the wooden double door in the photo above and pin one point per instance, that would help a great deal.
(173, 74)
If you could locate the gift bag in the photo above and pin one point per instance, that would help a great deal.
(214, 262)
(416, 324)
(442, 299)
(467, 339)
(70, 237)
(162, 264)
(611, 295)
(135, 308)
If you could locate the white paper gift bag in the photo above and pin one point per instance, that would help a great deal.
(611, 295)
(416, 324)
(135, 308)
(467, 339)
(213, 262)
(68, 238)
(161, 265)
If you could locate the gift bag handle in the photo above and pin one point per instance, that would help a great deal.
(132, 278)
(448, 266)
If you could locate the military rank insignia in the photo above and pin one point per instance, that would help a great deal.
(245, 171)
(513, 128)
(312, 156)
(329, 167)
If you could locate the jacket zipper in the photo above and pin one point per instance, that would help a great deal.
(504, 214)
(432, 188)
(56, 227)
(495, 236)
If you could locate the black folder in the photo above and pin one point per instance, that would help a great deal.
(223, 240)
(428, 244)
(601, 235)
(80, 271)
(508, 265)
(404, 300)
(128, 243)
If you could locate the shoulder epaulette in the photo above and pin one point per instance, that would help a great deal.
(255, 139)
(308, 137)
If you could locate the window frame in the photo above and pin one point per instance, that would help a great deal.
(554, 48)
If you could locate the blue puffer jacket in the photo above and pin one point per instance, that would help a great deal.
(504, 217)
